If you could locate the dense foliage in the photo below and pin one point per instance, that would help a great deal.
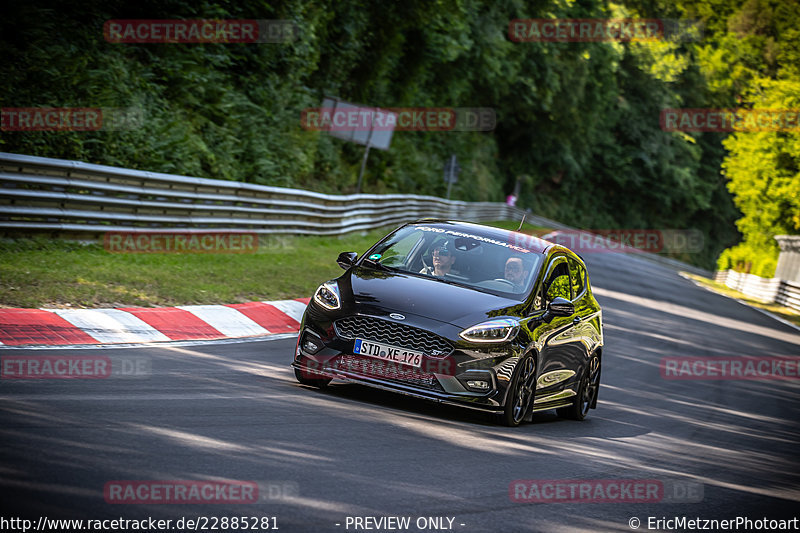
(577, 123)
(757, 60)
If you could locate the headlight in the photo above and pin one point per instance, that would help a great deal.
(498, 330)
(327, 296)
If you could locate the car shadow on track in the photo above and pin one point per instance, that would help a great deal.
(544, 422)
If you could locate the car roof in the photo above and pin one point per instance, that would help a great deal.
(514, 238)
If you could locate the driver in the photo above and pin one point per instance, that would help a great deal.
(443, 260)
(515, 272)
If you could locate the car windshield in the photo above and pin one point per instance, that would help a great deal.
(497, 262)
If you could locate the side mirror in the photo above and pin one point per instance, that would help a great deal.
(560, 307)
(346, 259)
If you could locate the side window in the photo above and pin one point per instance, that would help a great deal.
(578, 276)
(557, 283)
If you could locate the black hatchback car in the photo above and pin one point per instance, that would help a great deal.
(462, 314)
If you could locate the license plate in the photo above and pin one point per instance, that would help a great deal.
(388, 353)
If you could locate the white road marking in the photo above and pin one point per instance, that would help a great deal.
(201, 342)
(226, 320)
(110, 325)
(293, 308)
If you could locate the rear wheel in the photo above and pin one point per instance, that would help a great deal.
(303, 378)
(587, 392)
(520, 395)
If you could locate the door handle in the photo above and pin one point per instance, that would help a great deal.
(577, 320)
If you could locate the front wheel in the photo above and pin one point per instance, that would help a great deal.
(520, 394)
(587, 392)
(302, 377)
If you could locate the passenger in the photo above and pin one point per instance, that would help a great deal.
(443, 260)
(515, 273)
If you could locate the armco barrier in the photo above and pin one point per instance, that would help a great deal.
(76, 199)
(758, 288)
(789, 294)
(62, 197)
(767, 290)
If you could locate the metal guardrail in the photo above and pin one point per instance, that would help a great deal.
(82, 200)
(58, 196)
(789, 294)
(767, 290)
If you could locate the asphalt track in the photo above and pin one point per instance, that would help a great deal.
(234, 411)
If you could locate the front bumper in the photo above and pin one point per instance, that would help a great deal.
(481, 404)
(439, 379)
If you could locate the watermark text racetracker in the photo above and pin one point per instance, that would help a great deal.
(730, 368)
(60, 119)
(73, 367)
(623, 240)
(199, 31)
(180, 242)
(727, 120)
(181, 492)
(603, 30)
(605, 491)
(384, 364)
(399, 119)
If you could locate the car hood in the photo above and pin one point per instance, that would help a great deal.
(378, 292)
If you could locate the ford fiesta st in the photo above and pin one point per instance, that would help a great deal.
(462, 314)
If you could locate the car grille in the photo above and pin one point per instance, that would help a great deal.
(387, 370)
(378, 330)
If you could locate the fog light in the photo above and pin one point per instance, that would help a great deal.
(478, 384)
(311, 346)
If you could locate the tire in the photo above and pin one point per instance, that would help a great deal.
(587, 392)
(520, 395)
(319, 383)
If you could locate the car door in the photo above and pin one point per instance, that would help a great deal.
(587, 318)
(562, 354)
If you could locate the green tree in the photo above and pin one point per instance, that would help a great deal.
(764, 172)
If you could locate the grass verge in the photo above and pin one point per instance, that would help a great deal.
(785, 313)
(58, 274)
